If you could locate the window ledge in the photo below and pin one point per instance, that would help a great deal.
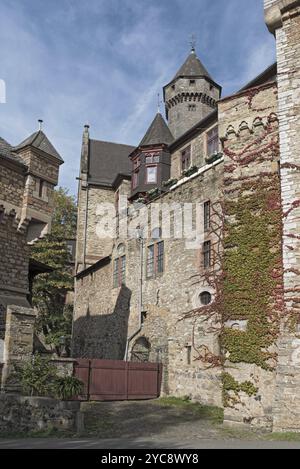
(202, 170)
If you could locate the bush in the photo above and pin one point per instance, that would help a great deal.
(67, 387)
(39, 377)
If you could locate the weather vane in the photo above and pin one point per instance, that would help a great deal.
(193, 42)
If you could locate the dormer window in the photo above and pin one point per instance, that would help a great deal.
(151, 174)
(192, 82)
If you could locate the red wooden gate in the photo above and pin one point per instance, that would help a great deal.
(114, 380)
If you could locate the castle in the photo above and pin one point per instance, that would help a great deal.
(217, 303)
(28, 175)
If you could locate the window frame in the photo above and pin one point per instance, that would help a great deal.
(212, 141)
(119, 271)
(207, 215)
(148, 166)
(206, 252)
(157, 259)
(186, 156)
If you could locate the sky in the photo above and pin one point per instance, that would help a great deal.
(103, 62)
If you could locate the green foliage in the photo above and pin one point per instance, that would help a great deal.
(50, 289)
(67, 387)
(252, 263)
(190, 171)
(37, 376)
(230, 384)
(171, 182)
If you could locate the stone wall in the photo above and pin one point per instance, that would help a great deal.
(202, 94)
(20, 414)
(18, 344)
(198, 153)
(252, 286)
(10, 177)
(14, 255)
(102, 324)
(283, 19)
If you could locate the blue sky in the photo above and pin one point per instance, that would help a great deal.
(102, 62)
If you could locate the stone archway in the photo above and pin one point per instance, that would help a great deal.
(141, 350)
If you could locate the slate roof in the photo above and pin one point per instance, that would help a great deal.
(192, 67)
(107, 160)
(157, 133)
(40, 141)
(6, 151)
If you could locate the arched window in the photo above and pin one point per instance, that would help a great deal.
(141, 350)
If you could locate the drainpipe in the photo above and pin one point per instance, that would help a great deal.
(129, 339)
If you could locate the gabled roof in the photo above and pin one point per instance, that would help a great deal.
(192, 67)
(6, 151)
(158, 133)
(107, 160)
(40, 141)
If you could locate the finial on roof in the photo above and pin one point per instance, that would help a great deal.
(158, 103)
(40, 121)
(86, 126)
(193, 43)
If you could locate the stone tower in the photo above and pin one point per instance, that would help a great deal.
(283, 20)
(190, 96)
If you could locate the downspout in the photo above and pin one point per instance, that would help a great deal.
(129, 339)
(85, 224)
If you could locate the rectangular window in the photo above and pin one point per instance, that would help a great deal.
(116, 273)
(151, 174)
(206, 254)
(206, 216)
(192, 107)
(150, 261)
(122, 270)
(189, 355)
(212, 141)
(119, 274)
(155, 259)
(41, 188)
(186, 158)
(160, 257)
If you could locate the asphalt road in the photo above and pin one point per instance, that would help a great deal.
(141, 443)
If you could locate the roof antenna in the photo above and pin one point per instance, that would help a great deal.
(40, 121)
(158, 103)
(193, 42)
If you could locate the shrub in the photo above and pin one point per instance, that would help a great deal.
(37, 376)
(67, 387)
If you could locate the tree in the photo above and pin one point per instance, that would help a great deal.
(50, 289)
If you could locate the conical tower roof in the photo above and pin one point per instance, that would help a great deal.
(158, 133)
(192, 67)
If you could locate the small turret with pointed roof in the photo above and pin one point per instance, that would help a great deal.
(151, 159)
(190, 96)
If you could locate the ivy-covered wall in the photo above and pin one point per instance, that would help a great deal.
(252, 289)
